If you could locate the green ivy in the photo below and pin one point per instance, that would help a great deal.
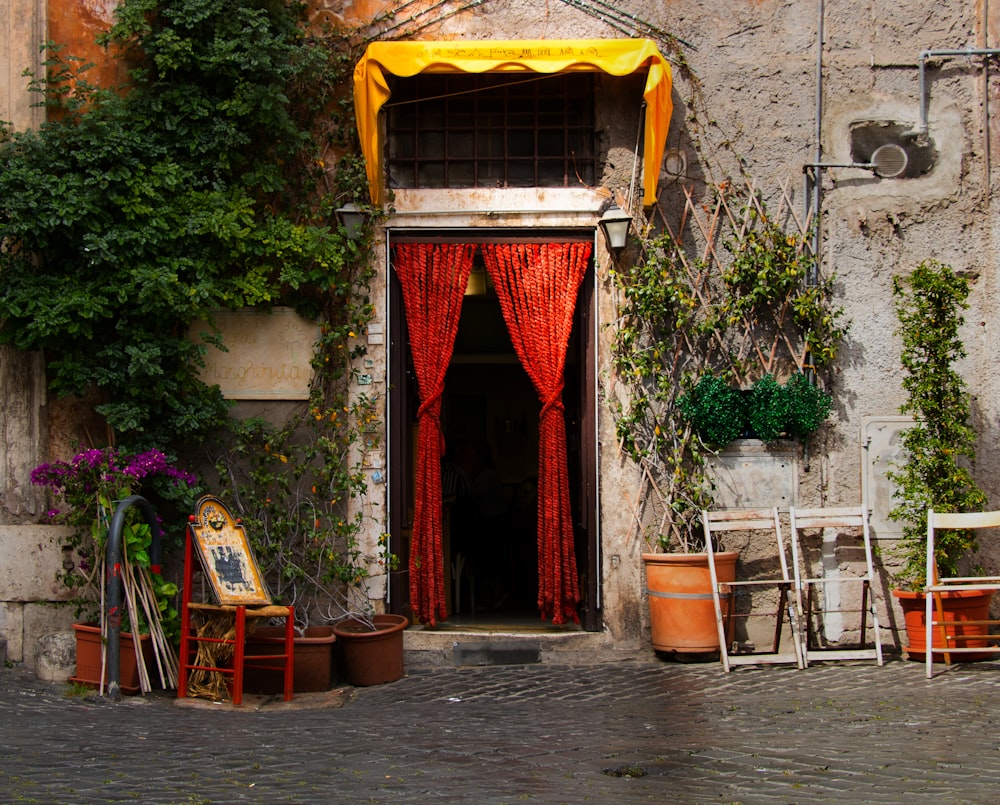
(940, 445)
(201, 184)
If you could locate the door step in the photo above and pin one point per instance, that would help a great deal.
(497, 653)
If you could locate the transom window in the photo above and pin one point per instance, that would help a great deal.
(492, 130)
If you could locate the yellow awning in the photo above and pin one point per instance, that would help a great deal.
(613, 56)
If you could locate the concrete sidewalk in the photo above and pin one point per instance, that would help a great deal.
(632, 731)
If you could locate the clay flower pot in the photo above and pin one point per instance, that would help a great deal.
(312, 666)
(371, 657)
(681, 612)
(88, 658)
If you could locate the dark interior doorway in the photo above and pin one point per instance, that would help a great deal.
(489, 415)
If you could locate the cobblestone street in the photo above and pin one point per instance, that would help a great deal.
(637, 731)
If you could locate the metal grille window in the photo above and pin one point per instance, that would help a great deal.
(489, 130)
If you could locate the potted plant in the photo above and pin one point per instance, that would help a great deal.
(808, 406)
(293, 487)
(767, 411)
(939, 448)
(88, 489)
(679, 588)
(696, 324)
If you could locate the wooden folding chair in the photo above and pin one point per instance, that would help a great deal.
(753, 522)
(832, 521)
(954, 635)
(217, 651)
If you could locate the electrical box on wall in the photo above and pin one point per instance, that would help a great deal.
(881, 448)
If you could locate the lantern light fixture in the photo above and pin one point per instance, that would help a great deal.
(352, 218)
(615, 224)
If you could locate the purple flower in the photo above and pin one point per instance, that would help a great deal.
(152, 462)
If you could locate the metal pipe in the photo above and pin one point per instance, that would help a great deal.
(814, 196)
(987, 155)
(812, 199)
(921, 129)
(860, 165)
(114, 556)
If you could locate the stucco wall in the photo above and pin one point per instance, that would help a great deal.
(754, 96)
(752, 107)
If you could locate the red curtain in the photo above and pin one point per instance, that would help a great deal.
(433, 278)
(537, 285)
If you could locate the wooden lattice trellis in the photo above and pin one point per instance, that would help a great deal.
(726, 286)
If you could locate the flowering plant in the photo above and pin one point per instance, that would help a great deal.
(88, 488)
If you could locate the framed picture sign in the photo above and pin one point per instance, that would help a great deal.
(226, 557)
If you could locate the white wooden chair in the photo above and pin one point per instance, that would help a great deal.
(830, 606)
(755, 523)
(955, 642)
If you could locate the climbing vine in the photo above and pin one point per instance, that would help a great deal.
(940, 445)
(207, 182)
(703, 333)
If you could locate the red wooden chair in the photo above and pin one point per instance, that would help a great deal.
(215, 649)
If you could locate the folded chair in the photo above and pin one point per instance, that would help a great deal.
(763, 538)
(954, 638)
(213, 635)
(831, 604)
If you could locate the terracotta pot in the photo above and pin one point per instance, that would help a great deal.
(372, 657)
(681, 612)
(959, 606)
(312, 666)
(88, 658)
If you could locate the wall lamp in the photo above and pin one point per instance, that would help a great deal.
(352, 218)
(615, 224)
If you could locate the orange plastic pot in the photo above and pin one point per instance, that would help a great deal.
(681, 612)
(960, 606)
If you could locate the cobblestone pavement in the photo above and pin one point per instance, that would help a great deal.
(635, 731)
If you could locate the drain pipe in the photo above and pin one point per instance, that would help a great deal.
(811, 195)
(987, 156)
(114, 556)
(818, 145)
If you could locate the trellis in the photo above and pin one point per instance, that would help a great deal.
(725, 286)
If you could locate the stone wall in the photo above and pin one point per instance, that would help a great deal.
(32, 602)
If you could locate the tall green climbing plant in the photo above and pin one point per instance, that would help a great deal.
(940, 445)
(208, 181)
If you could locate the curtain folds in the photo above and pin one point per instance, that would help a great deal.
(537, 285)
(433, 278)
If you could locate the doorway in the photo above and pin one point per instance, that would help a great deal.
(489, 416)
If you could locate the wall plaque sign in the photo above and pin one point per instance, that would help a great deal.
(268, 357)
